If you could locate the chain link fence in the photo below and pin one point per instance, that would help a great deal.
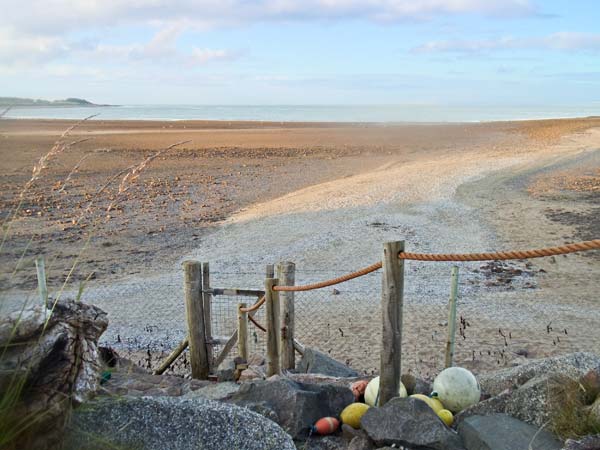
(506, 311)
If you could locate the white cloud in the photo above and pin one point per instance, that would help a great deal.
(564, 41)
(206, 55)
(58, 16)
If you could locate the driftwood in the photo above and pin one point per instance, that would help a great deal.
(55, 355)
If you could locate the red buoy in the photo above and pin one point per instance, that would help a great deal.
(326, 425)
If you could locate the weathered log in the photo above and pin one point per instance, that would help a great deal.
(51, 362)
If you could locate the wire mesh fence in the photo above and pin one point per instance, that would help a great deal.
(506, 311)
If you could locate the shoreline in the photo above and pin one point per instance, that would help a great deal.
(294, 123)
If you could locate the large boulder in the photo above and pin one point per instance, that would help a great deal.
(169, 422)
(54, 353)
(411, 423)
(529, 403)
(522, 392)
(314, 361)
(573, 365)
(586, 443)
(503, 432)
(294, 406)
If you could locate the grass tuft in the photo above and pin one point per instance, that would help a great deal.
(570, 402)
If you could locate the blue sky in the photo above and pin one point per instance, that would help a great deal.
(451, 52)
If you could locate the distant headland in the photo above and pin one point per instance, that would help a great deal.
(17, 101)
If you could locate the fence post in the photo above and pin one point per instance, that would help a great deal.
(452, 316)
(286, 276)
(270, 271)
(391, 306)
(242, 332)
(41, 279)
(272, 305)
(195, 319)
(207, 305)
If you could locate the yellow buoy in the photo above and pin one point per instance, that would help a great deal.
(433, 403)
(446, 416)
(352, 414)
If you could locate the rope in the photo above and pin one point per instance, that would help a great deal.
(516, 254)
(350, 276)
(256, 324)
(495, 256)
(254, 307)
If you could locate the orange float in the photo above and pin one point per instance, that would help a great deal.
(326, 425)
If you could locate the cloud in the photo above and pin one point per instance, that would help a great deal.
(23, 50)
(562, 41)
(59, 16)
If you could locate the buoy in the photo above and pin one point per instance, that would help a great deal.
(326, 425)
(433, 403)
(457, 388)
(446, 416)
(372, 392)
(358, 389)
(352, 414)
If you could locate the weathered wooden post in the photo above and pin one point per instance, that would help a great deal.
(452, 316)
(40, 267)
(242, 332)
(391, 307)
(270, 271)
(207, 305)
(195, 319)
(272, 305)
(286, 276)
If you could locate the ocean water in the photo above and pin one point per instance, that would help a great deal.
(309, 113)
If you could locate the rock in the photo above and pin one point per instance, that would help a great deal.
(215, 391)
(503, 432)
(415, 385)
(585, 443)
(349, 433)
(361, 443)
(143, 383)
(294, 406)
(573, 365)
(252, 373)
(173, 423)
(256, 359)
(411, 423)
(591, 382)
(322, 443)
(528, 403)
(314, 361)
(57, 354)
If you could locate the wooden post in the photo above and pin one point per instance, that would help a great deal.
(41, 279)
(207, 305)
(391, 307)
(195, 319)
(452, 316)
(242, 332)
(286, 276)
(270, 271)
(272, 305)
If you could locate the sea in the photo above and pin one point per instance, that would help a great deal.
(310, 113)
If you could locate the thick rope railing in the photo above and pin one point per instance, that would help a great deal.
(499, 256)
(490, 256)
(332, 282)
(254, 307)
(256, 324)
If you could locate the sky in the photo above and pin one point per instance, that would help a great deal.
(265, 52)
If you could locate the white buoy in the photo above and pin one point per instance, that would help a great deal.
(457, 388)
(372, 392)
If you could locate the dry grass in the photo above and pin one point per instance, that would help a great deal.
(569, 402)
(13, 426)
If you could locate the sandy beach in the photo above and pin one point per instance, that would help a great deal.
(326, 196)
